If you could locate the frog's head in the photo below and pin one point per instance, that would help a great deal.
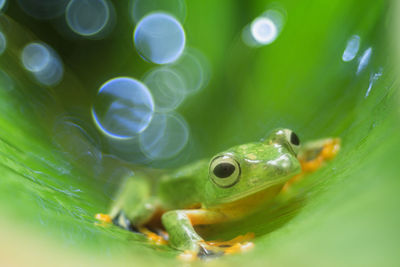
(247, 169)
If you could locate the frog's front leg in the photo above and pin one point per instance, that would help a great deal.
(134, 205)
(312, 156)
(182, 236)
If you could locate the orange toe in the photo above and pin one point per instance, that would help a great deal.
(232, 242)
(153, 237)
(330, 150)
(239, 247)
(103, 217)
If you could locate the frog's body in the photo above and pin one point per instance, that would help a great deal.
(232, 185)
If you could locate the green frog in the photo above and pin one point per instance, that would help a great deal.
(230, 186)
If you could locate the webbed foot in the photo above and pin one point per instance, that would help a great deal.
(240, 243)
(205, 252)
(158, 238)
(120, 220)
(213, 249)
(313, 155)
(104, 218)
(316, 153)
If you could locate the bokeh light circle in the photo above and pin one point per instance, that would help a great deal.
(127, 149)
(264, 30)
(165, 137)
(87, 17)
(277, 15)
(123, 108)
(159, 38)
(167, 88)
(141, 8)
(352, 48)
(193, 68)
(43, 62)
(2, 4)
(52, 74)
(36, 57)
(364, 60)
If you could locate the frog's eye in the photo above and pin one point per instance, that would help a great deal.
(285, 137)
(224, 171)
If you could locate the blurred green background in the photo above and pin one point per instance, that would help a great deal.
(344, 214)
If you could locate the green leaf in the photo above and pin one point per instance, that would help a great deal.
(343, 214)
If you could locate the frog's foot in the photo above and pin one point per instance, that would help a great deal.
(316, 153)
(213, 249)
(104, 218)
(159, 238)
(204, 252)
(313, 156)
(119, 220)
(240, 243)
(122, 221)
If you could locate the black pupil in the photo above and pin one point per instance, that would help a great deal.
(224, 170)
(294, 139)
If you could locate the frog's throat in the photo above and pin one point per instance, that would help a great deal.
(255, 189)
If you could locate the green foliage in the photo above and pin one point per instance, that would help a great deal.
(344, 214)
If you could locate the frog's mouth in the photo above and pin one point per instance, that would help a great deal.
(258, 190)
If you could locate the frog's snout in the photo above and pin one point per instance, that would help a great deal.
(282, 165)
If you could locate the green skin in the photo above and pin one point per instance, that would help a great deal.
(259, 169)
